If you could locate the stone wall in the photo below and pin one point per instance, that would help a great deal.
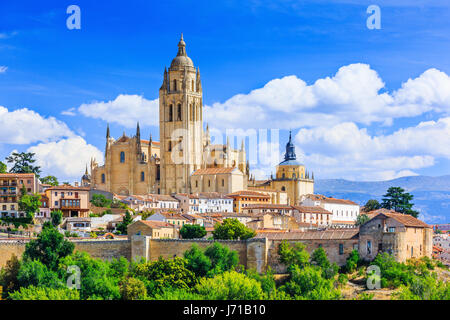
(103, 249)
(330, 247)
(252, 253)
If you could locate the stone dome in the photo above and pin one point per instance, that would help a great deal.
(181, 60)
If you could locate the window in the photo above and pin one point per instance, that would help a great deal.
(103, 178)
(122, 157)
(175, 85)
(380, 247)
(171, 113)
(142, 176)
(192, 85)
(56, 203)
(369, 247)
(209, 183)
(391, 229)
(223, 182)
(341, 248)
(196, 185)
(283, 188)
(179, 112)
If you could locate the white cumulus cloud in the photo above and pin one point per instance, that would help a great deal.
(125, 110)
(356, 93)
(66, 158)
(24, 126)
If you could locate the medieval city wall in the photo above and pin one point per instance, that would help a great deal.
(103, 249)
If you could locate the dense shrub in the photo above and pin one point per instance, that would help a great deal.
(230, 285)
(352, 261)
(132, 289)
(293, 255)
(44, 293)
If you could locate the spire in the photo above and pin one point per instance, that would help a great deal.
(243, 145)
(181, 47)
(86, 172)
(138, 139)
(165, 81)
(198, 81)
(151, 140)
(290, 149)
(107, 131)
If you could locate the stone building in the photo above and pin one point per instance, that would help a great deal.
(135, 166)
(401, 235)
(291, 177)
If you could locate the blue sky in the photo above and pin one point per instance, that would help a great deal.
(341, 87)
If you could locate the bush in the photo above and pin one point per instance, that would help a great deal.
(8, 276)
(43, 293)
(309, 283)
(96, 277)
(132, 289)
(342, 279)
(232, 229)
(192, 231)
(163, 273)
(352, 261)
(230, 286)
(424, 288)
(296, 255)
(35, 273)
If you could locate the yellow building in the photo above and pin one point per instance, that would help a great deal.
(243, 199)
(136, 166)
(291, 177)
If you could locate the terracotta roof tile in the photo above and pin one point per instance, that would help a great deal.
(214, 171)
(316, 209)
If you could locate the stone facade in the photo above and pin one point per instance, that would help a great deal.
(134, 166)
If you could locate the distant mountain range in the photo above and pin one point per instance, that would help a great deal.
(431, 194)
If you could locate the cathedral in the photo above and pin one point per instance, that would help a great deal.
(184, 161)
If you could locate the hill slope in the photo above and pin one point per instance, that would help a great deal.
(431, 194)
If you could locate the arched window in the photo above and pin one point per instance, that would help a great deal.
(170, 146)
(171, 113)
(192, 112)
(196, 184)
(209, 183)
(179, 112)
(193, 85)
(283, 176)
(283, 188)
(223, 182)
(175, 85)
(293, 176)
(122, 157)
(103, 178)
(142, 176)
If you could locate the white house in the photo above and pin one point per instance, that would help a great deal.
(204, 202)
(344, 212)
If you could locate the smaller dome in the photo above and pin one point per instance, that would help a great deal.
(181, 61)
(86, 177)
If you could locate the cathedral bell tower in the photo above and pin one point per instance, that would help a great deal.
(180, 123)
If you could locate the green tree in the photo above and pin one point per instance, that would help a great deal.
(172, 273)
(49, 247)
(35, 273)
(232, 229)
(23, 163)
(371, 205)
(8, 276)
(293, 255)
(44, 293)
(127, 219)
(132, 289)
(361, 219)
(230, 285)
(400, 201)
(3, 167)
(352, 261)
(319, 257)
(310, 284)
(51, 180)
(192, 231)
(30, 204)
(99, 200)
(97, 280)
(197, 261)
(56, 217)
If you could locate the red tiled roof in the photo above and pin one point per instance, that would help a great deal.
(268, 206)
(249, 194)
(316, 209)
(312, 235)
(319, 197)
(69, 187)
(406, 219)
(156, 224)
